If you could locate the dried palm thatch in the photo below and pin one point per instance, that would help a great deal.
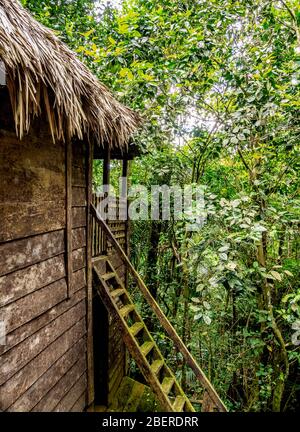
(43, 73)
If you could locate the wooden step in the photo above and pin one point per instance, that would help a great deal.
(156, 366)
(136, 328)
(118, 293)
(179, 403)
(167, 384)
(108, 276)
(147, 347)
(125, 310)
(100, 258)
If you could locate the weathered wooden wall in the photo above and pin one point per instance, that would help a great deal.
(43, 363)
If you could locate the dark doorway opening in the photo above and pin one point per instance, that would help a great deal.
(100, 341)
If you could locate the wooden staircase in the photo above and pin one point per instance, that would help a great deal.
(139, 340)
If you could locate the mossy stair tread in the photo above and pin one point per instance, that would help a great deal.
(179, 403)
(167, 384)
(134, 399)
(133, 396)
(118, 293)
(157, 365)
(136, 328)
(100, 258)
(108, 276)
(147, 347)
(125, 310)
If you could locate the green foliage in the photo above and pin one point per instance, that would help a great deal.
(218, 85)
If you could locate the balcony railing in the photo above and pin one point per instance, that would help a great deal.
(117, 222)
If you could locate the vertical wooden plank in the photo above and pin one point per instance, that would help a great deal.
(127, 221)
(124, 175)
(102, 245)
(93, 234)
(106, 168)
(89, 315)
(127, 230)
(106, 181)
(96, 240)
(68, 238)
(123, 193)
(94, 199)
(99, 234)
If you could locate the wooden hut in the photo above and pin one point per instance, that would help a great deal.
(63, 347)
(53, 113)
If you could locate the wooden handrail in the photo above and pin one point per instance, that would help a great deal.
(190, 361)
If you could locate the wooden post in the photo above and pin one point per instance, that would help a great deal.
(89, 316)
(106, 181)
(68, 235)
(124, 176)
(106, 168)
(124, 213)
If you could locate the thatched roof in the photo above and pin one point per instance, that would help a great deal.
(44, 74)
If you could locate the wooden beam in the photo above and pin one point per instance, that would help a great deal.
(68, 237)
(89, 316)
(116, 154)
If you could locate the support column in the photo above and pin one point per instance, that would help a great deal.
(106, 168)
(89, 316)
